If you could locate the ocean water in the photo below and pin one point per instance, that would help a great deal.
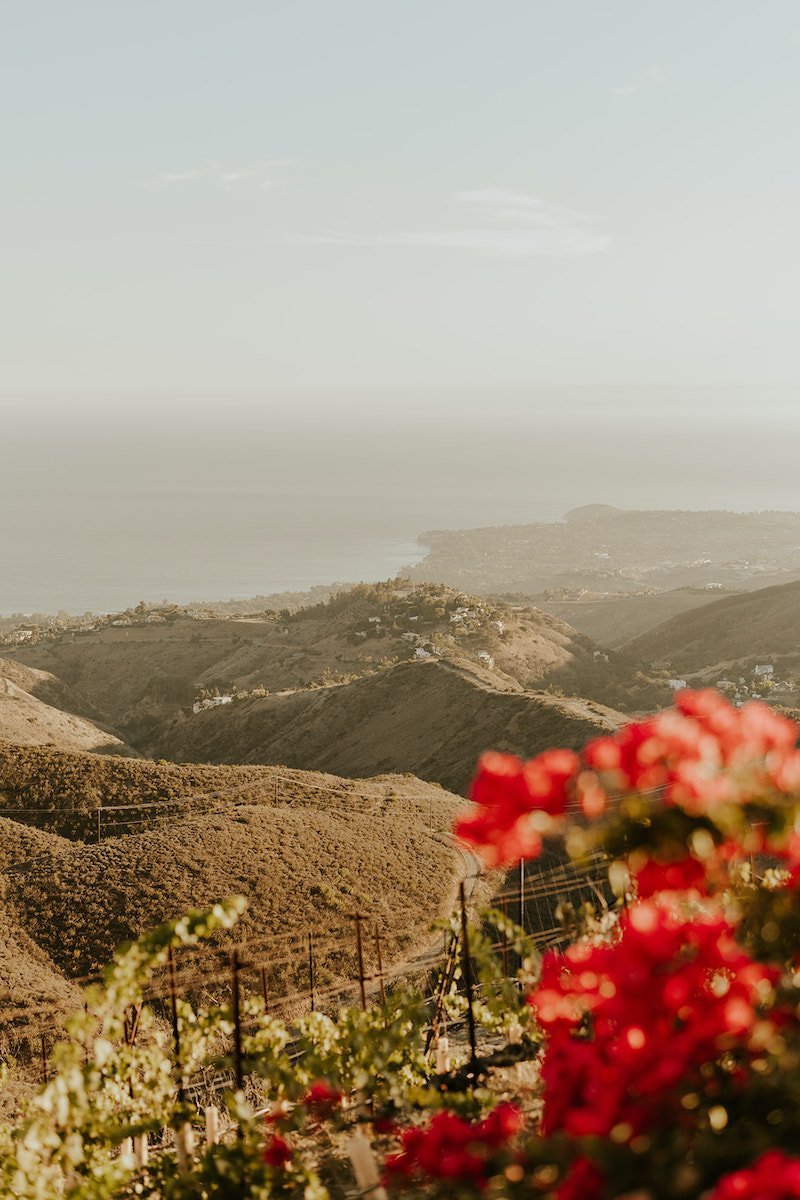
(100, 509)
(104, 550)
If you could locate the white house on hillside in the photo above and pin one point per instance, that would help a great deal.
(211, 702)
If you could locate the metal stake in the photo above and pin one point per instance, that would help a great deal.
(176, 1033)
(473, 1050)
(237, 1020)
(311, 969)
(360, 950)
(380, 964)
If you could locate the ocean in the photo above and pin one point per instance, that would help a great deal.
(103, 551)
(101, 509)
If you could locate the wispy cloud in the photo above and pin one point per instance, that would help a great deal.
(651, 77)
(259, 174)
(503, 222)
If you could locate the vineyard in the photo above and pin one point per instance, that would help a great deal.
(623, 1021)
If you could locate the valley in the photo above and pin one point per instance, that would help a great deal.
(312, 758)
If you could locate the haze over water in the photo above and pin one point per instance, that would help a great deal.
(108, 509)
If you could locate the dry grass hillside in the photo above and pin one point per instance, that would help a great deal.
(431, 719)
(61, 791)
(35, 710)
(29, 980)
(20, 842)
(33, 991)
(307, 850)
(612, 619)
(139, 674)
(764, 624)
(301, 869)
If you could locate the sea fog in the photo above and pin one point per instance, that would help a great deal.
(203, 500)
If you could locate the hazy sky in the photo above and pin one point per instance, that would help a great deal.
(207, 198)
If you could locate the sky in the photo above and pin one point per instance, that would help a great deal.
(433, 204)
(284, 283)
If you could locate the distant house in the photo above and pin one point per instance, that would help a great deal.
(361, 633)
(20, 635)
(413, 618)
(211, 702)
(486, 658)
(677, 685)
(499, 626)
(766, 670)
(409, 637)
(726, 685)
(374, 620)
(420, 652)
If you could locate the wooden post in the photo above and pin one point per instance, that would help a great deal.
(237, 1020)
(311, 970)
(141, 1151)
(442, 1054)
(365, 1168)
(212, 1125)
(380, 963)
(360, 952)
(473, 1053)
(184, 1147)
(176, 1033)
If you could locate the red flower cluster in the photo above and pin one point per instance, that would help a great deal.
(701, 752)
(322, 1099)
(696, 755)
(682, 875)
(628, 1021)
(509, 792)
(774, 1176)
(583, 1182)
(451, 1148)
(277, 1152)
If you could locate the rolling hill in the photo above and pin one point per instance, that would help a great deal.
(432, 719)
(37, 709)
(61, 791)
(301, 869)
(612, 619)
(32, 988)
(140, 671)
(608, 549)
(763, 625)
(307, 850)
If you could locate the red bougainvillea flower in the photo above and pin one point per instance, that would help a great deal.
(668, 980)
(277, 1151)
(508, 793)
(584, 1181)
(698, 755)
(774, 1176)
(682, 875)
(451, 1148)
(321, 1099)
